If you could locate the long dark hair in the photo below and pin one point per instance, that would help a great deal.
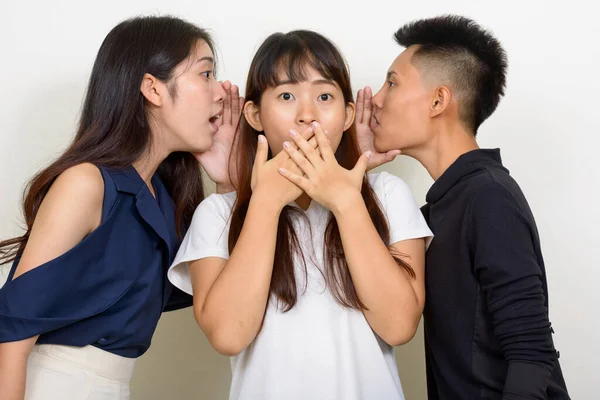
(114, 125)
(292, 53)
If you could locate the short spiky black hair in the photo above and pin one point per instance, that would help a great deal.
(464, 54)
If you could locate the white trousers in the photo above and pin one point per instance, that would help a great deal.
(56, 372)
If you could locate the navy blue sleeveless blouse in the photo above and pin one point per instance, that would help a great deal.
(110, 289)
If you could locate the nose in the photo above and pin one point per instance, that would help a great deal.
(219, 92)
(377, 100)
(307, 112)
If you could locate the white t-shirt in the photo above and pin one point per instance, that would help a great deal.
(319, 350)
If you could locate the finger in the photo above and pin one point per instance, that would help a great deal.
(378, 159)
(235, 105)
(226, 118)
(291, 166)
(361, 165)
(300, 159)
(309, 135)
(242, 102)
(262, 150)
(390, 155)
(323, 142)
(308, 151)
(360, 98)
(296, 179)
(368, 105)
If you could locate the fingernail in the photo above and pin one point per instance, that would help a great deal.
(326, 132)
(286, 145)
(309, 130)
(368, 154)
(293, 132)
(315, 124)
(282, 171)
(261, 139)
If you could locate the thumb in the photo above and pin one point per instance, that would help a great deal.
(361, 165)
(262, 150)
(390, 155)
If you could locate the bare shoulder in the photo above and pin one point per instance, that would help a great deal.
(70, 211)
(82, 179)
(77, 194)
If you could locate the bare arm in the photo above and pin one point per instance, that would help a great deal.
(230, 296)
(13, 368)
(394, 300)
(70, 211)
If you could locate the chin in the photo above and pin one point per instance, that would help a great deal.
(379, 145)
(203, 147)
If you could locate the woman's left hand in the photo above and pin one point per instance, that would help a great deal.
(326, 182)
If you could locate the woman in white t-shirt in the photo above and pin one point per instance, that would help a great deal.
(306, 290)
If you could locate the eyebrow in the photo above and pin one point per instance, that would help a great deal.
(315, 82)
(390, 74)
(209, 59)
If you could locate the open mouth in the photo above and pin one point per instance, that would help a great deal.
(374, 122)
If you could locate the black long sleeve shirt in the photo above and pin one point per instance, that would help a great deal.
(487, 333)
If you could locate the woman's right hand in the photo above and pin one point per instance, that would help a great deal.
(266, 179)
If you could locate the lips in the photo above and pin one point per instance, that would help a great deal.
(374, 122)
(213, 121)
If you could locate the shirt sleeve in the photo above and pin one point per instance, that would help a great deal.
(503, 239)
(404, 217)
(208, 236)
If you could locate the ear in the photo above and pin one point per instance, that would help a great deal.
(350, 114)
(440, 100)
(251, 113)
(151, 88)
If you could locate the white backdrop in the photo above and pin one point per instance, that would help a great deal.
(547, 127)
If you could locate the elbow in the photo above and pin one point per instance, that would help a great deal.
(402, 332)
(399, 337)
(225, 343)
(223, 339)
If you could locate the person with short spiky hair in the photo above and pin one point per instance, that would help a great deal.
(487, 330)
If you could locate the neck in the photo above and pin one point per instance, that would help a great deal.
(148, 163)
(441, 152)
(303, 201)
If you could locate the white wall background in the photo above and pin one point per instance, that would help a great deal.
(547, 126)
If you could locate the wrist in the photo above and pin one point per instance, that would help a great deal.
(347, 203)
(266, 202)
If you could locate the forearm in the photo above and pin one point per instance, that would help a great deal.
(236, 303)
(523, 330)
(526, 380)
(13, 368)
(384, 287)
